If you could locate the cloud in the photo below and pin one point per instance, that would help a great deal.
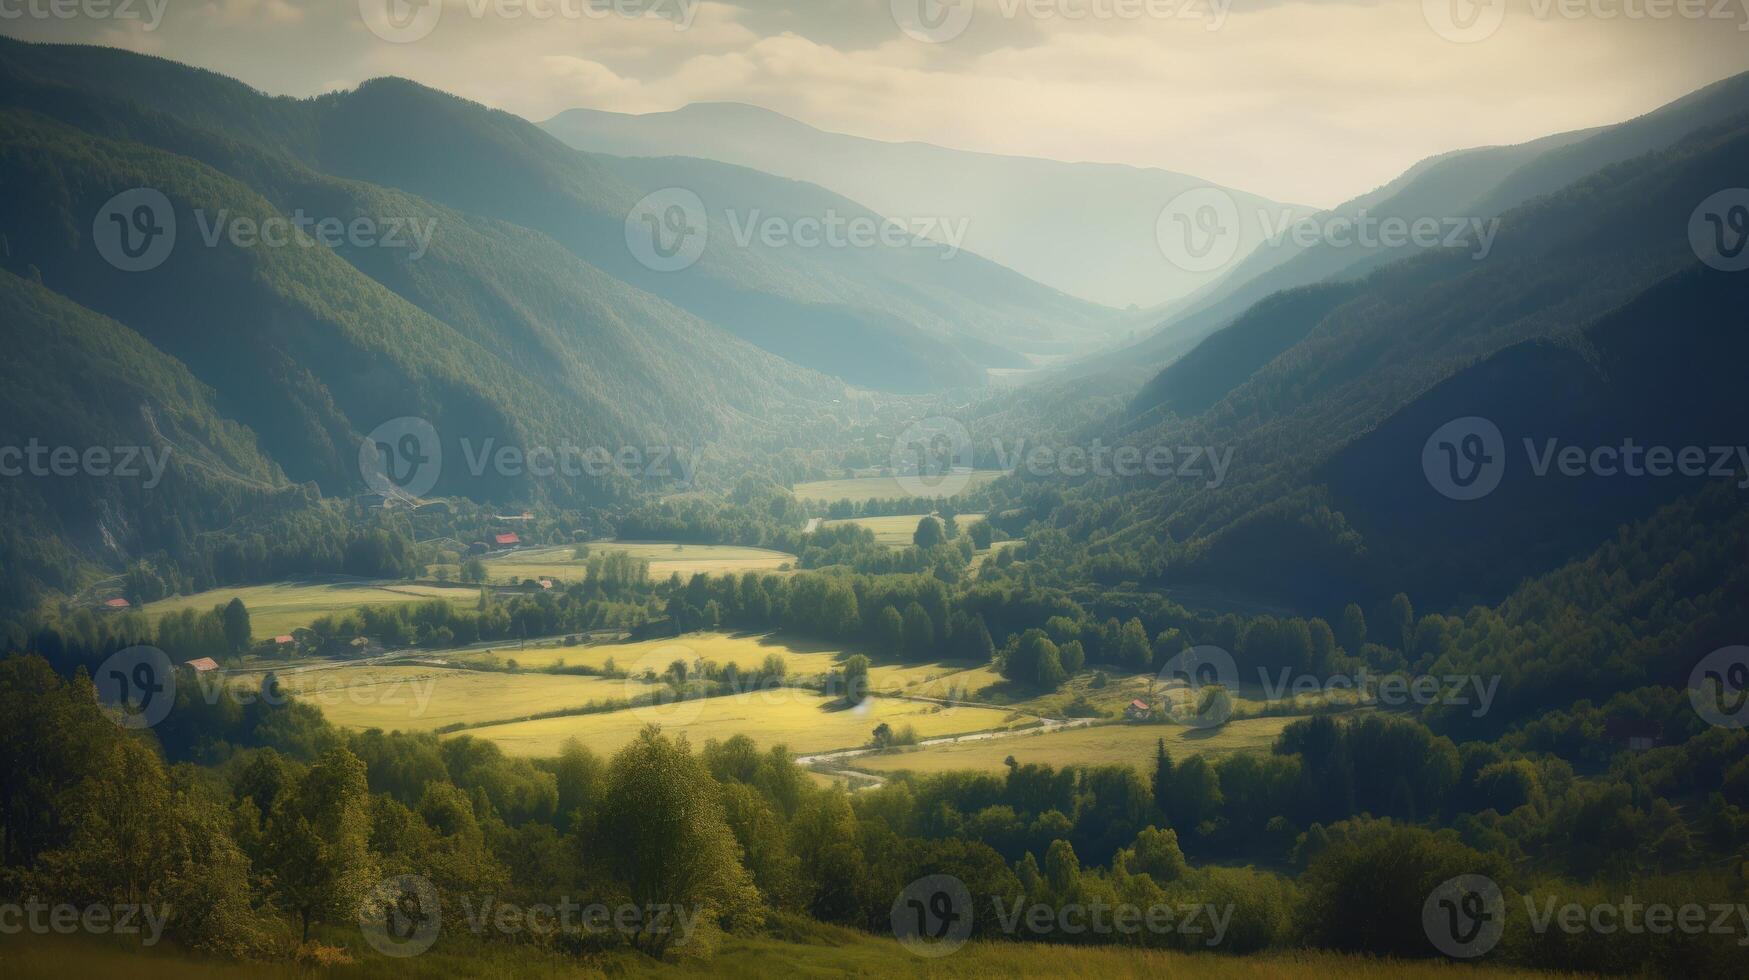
(1311, 102)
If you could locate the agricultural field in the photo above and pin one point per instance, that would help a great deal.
(804, 721)
(896, 532)
(1119, 744)
(748, 651)
(423, 698)
(880, 488)
(665, 558)
(282, 607)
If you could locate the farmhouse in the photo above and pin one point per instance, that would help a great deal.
(117, 603)
(203, 664)
(1138, 710)
(506, 540)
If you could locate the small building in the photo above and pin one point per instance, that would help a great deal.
(284, 640)
(1636, 734)
(546, 583)
(117, 603)
(1138, 710)
(203, 664)
(506, 540)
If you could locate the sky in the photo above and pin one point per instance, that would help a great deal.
(1305, 102)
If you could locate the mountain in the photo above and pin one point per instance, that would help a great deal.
(1088, 229)
(1468, 185)
(806, 306)
(1590, 320)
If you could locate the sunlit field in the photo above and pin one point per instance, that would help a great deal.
(804, 721)
(896, 532)
(665, 558)
(884, 487)
(422, 698)
(1118, 744)
(280, 608)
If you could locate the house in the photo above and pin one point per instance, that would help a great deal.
(117, 604)
(1638, 735)
(506, 540)
(524, 516)
(203, 664)
(1138, 710)
(546, 583)
(284, 640)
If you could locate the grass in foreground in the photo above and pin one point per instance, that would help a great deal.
(801, 949)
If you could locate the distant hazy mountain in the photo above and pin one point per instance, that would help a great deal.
(1088, 229)
(1476, 184)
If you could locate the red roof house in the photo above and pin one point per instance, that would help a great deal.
(284, 639)
(116, 604)
(204, 664)
(506, 539)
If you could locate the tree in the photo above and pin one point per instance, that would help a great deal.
(1352, 632)
(930, 532)
(853, 679)
(981, 534)
(671, 842)
(919, 631)
(473, 571)
(1034, 661)
(318, 841)
(1403, 624)
(1133, 652)
(1162, 782)
(238, 635)
(889, 631)
(1073, 657)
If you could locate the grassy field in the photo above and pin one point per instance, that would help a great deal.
(804, 721)
(748, 651)
(665, 558)
(1120, 744)
(419, 699)
(880, 488)
(795, 950)
(896, 532)
(281, 608)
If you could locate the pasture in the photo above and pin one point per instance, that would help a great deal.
(665, 558)
(423, 698)
(896, 532)
(1119, 744)
(286, 606)
(862, 489)
(803, 720)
